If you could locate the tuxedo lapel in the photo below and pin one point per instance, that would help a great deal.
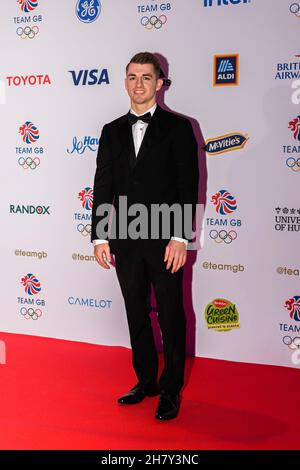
(153, 132)
(126, 138)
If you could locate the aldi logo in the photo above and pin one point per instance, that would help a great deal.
(226, 70)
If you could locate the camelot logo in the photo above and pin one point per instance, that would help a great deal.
(29, 209)
(90, 77)
(32, 80)
(226, 143)
(226, 70)
(221, 315)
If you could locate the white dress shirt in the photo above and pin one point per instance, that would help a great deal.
(138, 132)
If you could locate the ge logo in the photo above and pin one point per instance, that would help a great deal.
(29, 162)
(88, 11)
(223, 236)
(27, 32)
(85, 230)
(293, 164)
(153, 22)
(295, 9)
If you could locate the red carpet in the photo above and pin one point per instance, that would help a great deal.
(62, 395)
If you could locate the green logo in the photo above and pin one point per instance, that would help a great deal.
(221, 315)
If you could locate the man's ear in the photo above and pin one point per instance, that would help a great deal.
(159, 84)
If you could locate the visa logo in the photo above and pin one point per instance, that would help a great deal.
(90, 77)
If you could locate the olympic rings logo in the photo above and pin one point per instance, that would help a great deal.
(292, 343)
(84, 229)
(153, 22)
(27, 32)
(294, 164)
(223, 236)
(30, 313)
(29, 162)
(295, 9)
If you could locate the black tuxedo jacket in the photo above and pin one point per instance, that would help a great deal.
(165, 171)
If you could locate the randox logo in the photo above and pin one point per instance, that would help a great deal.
(29, 209)
(221, 315)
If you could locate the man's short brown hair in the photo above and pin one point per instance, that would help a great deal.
(145, 58)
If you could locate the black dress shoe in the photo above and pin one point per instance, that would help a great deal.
(138, 393)
(168, 407)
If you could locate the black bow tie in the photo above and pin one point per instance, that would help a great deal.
(132, 118)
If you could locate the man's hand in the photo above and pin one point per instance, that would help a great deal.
(102, 255)
(175, 253)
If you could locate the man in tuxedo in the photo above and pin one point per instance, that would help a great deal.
(149, 156)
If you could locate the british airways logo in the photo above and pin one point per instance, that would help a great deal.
(90, 77)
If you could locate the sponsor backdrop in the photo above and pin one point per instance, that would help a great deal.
(230, 64)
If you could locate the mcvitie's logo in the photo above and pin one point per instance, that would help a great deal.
(225, 143)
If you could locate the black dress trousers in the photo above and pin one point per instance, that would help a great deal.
(136, 272)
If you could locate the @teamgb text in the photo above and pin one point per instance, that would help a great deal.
(29, 162)
(27, 32)
(223, 236)
(153, 22)
(293, 164)
(30, 313)
(295, 9)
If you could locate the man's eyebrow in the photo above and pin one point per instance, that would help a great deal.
(143, 75)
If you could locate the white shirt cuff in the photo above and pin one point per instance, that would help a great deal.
(99, 242)
(180, 240)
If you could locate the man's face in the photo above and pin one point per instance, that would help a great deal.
(142, 84)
